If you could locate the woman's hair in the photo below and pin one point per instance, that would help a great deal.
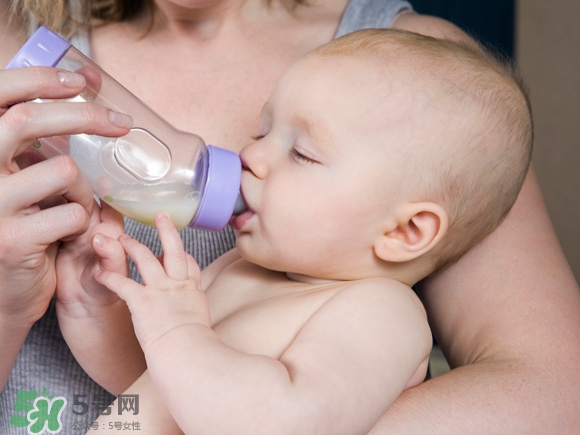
(68, 16)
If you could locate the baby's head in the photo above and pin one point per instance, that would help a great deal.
(423, 145)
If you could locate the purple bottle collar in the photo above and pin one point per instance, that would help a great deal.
(44, 48)
(221, 190)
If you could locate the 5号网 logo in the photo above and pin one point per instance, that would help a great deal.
(42, 413)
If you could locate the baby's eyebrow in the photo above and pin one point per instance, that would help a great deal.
(317, 129)
(265, 108)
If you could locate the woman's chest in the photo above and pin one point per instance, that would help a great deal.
(213, 88)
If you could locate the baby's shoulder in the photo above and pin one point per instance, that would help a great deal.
(377, 295)
(384, 288)
(211, 272)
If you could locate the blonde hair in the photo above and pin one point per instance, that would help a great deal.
(478, 171)
(68, 16)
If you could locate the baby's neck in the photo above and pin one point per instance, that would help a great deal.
(406, 273)
(308, 279)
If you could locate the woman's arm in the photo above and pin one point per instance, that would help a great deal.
(507, 316)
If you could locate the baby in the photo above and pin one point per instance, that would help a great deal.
(382, 157)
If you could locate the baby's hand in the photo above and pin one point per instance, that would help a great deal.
(171, 295)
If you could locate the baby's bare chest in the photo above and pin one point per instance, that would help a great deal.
(262, 320)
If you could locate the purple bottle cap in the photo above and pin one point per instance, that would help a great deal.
(222, 186)
(44, 48)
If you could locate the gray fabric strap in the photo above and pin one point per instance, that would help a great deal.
(369, 14)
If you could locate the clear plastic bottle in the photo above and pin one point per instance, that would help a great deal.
(155, 167)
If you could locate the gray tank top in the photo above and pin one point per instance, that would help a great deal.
(45, 365)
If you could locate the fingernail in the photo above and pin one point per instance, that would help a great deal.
(120, 119)
(71, 80)
(99, 240)
(124, 238)
(162, 216)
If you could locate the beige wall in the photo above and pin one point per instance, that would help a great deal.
(548, 52)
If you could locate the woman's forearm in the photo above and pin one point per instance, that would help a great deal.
(494, 397)
(12, 336)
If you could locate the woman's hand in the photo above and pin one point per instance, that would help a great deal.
(78, 295)
(94, 321)
(42, 203)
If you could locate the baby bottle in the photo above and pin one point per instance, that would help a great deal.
(155, 167)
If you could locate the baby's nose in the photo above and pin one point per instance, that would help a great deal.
(254, 159)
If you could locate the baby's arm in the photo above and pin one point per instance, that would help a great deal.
(95, 322)
(349, 362)
(147, 410)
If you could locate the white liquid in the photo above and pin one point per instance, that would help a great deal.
(181, 208)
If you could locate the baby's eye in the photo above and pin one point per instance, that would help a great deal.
(258, 137)
(301, 157)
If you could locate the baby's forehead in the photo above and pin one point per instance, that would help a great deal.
(382, 71)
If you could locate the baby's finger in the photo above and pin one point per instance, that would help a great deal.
(124, 287)
(193, 271)
(174, 260)
(149, 267)
(111, 253)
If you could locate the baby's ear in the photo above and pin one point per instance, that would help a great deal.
(416, 229)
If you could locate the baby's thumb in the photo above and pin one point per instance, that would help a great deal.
(111, 253)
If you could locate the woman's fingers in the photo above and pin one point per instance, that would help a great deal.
(58, 176)
(22, 124)
(22, 121)
(25, 84)
(27, 235)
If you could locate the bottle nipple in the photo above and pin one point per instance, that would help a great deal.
(240, 206)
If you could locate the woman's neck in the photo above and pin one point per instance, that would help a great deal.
(205, 19)
(210, 16)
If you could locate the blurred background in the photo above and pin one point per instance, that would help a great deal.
(543, 36)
